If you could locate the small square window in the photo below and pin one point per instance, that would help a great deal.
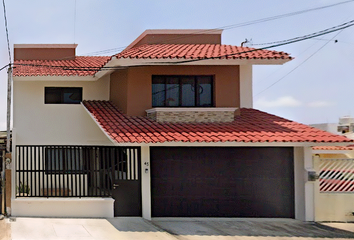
(63, 95)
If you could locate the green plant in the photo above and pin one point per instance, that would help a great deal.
(23, 188)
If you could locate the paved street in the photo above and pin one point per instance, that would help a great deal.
(172, 228)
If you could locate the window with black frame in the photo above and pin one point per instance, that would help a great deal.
(62, 95)
(182, 91)
(63, 160)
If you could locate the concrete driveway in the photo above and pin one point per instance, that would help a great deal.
(170, 228)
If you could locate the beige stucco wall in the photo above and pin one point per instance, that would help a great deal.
(137, 83)
(63, 207)
(334, 207)
(59, 124)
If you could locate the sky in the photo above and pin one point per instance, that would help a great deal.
(316, 87)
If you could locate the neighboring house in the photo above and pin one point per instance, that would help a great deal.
(335, 168)
(345, 126)
(165, 128)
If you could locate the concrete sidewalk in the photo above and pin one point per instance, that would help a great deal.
(172, 228)
(85, 229)
(5, 230)
(343, 226)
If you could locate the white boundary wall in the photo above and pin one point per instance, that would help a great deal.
(333, 206)
(63, 207)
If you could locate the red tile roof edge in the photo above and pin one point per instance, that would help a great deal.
(80, 66)
(90, 65)
(337, 148)
(252, 126)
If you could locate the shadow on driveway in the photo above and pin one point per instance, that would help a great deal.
(247, 227)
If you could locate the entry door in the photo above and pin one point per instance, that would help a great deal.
(126, 189)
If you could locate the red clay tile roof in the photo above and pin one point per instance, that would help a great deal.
(199, 51)
(251, 126)
(88, 66)
(333, 148)
(80, 66)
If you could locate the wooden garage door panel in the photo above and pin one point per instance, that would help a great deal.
(234, 182)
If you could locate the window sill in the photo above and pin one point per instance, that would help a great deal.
(191, 109)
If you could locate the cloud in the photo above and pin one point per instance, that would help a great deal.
(286, 101)
(320, 104)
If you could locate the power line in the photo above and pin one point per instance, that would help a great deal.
(7, 32)
(297, 56)
(237, 25)
(298, 65)
(280, 43)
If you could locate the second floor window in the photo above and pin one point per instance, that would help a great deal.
(182, 91)
(63, 95)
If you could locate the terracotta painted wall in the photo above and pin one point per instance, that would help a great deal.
(119, 89)
(44, 53)
(180, 39)
(131, 88)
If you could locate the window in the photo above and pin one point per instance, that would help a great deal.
(64, 160)
(63, 95)
(182, 91)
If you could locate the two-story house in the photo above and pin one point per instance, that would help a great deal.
(165, 128)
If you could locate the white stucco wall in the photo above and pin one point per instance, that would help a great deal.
(299, 183)
(146, 182)
(62, 207)
(332, 206)
(309, 186)
(335, 207)
(58, 124)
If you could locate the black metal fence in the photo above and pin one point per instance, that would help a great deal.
(73, 171)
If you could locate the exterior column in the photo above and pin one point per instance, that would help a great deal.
(309, 186)
(299, 183)
(145, 182)
(246, 96)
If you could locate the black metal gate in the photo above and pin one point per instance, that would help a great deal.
(71, 171)
(127, 185)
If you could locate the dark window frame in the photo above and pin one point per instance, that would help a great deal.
(197, 96)
(59, 94)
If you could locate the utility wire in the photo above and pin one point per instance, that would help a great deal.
(280, 43)
(237, 25)
(311, 46)
(298, 65)
(7, 32)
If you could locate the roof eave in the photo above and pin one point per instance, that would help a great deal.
(55, 78)
(130, 62)
(229, 144)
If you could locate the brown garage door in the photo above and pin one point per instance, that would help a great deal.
(222, 182)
